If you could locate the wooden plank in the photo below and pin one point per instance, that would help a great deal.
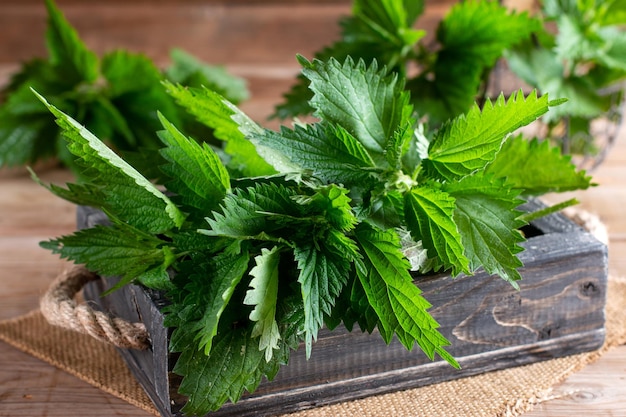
(32, 388)
(254, 34)
(591, 391)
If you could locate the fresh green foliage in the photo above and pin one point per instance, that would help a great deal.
(583, 60)
(115, 96)
(209, 109)
(263, 295)
(525, 164)
(254, 266)
(470, 38)
(468, 142)
(574, 49)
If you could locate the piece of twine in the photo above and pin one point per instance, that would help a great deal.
(59, 308)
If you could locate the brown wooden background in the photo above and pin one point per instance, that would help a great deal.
(255, 39)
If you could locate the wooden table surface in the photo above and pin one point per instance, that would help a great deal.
(29, 387)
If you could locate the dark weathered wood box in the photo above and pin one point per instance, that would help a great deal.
(558, 311)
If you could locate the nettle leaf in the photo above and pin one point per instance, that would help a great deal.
(386, 210)
(451, 92)
(483, 30)
(397, 301)
(353, 307)
(366, 101)
(390, 20)
(263, 294)
(473, 35)
(535, 167)
(381, 31)
(79, 194)
(25, 139)
(542, 69)
(215, 112)
(67, 51)
(254, 213)
(428, 213)
(234, 365)
(197, 175)
(535, 65)
(221, 275)
(581, 38)
(322, 278)
(117, 250)
(187, 70)
(329, 152)
(333, 201)
(122, 69)
(470, 142)
(127, 194)
(399, 144)
(488, 223)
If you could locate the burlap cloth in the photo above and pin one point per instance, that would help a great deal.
(509, 392)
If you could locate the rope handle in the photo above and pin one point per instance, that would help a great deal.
(60, 309)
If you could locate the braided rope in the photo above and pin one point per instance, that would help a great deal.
(59, 308)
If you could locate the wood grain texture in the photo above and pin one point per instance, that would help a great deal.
(591, 391)
(28, 388)
(255, 39)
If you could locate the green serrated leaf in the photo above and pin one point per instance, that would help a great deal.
(396, 299)
(197, 176)
(235, 365)
(329, 152)
(222, 274)
(488, 223)
(79, 194)
(263, 295)
(390, 20)
(345, 93)
(333, 201)
(266, 212)
(26, 139)
(215, 112)
(473, 35)
(483, 30)
(448, 94)
(128, 72)
(128, 194)
(67, 51)
(428, 213)
(470, 142)
(386, 210)
(535, 167)
(118, 250)
(189, 71)
(322, 277)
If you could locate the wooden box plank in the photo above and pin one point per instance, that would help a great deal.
(558, 311)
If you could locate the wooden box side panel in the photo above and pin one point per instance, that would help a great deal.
(558, 311)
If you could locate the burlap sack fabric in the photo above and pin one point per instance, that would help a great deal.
(508, 392)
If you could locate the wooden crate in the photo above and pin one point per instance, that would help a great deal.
(558, 311)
